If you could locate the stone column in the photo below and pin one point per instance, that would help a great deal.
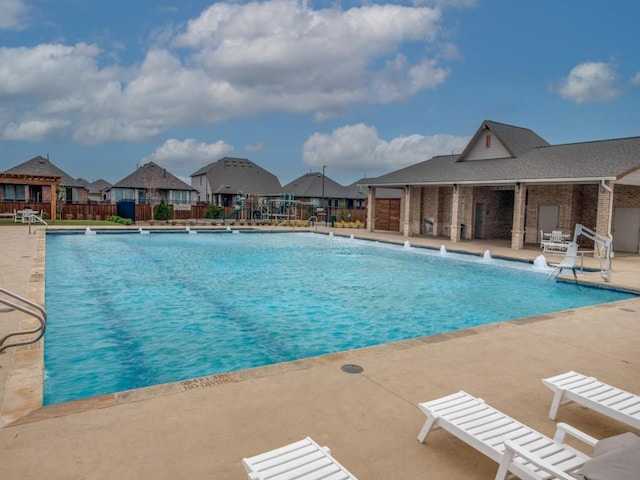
(519, 207)
(371, 209)
(405, 214)
(454, 230)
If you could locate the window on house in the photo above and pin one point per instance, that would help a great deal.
(180, 196)
(14, 192)
(487, 141)
(9, 192)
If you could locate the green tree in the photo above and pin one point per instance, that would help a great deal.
(60, 197)
(342, 212)
(162, 211)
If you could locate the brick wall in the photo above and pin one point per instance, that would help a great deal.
(626, 196)
(498, 211)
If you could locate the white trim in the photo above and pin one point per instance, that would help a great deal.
(545, 181)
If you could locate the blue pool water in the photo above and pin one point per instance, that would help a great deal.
(127, 311)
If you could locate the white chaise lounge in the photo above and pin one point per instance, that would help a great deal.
(517, 448)
(304, 459)
(594, 394)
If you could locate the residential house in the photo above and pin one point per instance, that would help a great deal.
(150, 184)
(226, 180)
(509, 183)
(96, 189)
(74, 191)
(320, 191)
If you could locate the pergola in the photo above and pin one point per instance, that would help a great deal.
(51, 181)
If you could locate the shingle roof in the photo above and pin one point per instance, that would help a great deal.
(358, 187)
(94, 187)
(586, 161)
(42, 166)
(151, 175)
(239, 176)
(309, 185)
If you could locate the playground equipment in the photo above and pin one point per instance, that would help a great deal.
(236, 211)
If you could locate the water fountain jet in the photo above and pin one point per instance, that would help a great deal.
(540, 263)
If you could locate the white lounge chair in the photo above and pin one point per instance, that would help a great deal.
(517, 448)
(300, 460)
(594, 394)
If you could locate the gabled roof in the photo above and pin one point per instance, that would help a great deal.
(576, 162)
(234, 175)
(95, 187)
(42, 166)
(152, 176)
(516, 140)
(309, 185)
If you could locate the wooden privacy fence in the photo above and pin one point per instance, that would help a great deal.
(144, 212)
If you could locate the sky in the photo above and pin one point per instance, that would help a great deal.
(357, 88)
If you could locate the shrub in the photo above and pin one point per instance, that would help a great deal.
(214, 211)
(162, 211)
(120, 220)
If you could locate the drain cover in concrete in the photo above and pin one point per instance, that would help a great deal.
(350, 368)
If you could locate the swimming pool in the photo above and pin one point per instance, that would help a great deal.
(127, 310)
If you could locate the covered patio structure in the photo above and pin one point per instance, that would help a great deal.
(511, 184)
(41, 188)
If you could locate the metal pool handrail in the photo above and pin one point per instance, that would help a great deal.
(40, 315)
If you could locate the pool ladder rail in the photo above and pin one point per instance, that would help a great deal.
(40, 315)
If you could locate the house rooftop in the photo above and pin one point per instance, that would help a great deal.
(42, 166)
(531, 160)
(151, 175)
(233, 175)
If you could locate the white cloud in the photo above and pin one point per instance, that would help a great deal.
(636, 79)
(186, 156)
(14, 14)
(36, 130)
(48, 71)
(233, 61)
(358, 149)
(589, 82)
(282, 50)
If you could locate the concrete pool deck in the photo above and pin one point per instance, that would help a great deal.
(203, 428)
